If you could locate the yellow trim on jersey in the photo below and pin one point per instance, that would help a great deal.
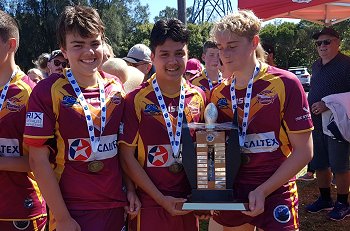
(123, 142)
(301, 131)
(139, 221)
(293, 195)
(38, 137)
(26, 219)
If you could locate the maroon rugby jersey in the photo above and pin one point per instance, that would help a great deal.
(19, 195)
(144, 128)
(201, 81)
(55, 117)
(278, 107)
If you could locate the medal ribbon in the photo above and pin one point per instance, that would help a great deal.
(6, 87)
(209, 80)
(248, 96)
(174, 140)
(89, 121)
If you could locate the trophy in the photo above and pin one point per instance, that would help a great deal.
(211, 163)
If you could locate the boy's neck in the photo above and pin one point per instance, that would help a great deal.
(86, 80)
(243, 76)
(169, 86)
(5, 72)
(212, 74)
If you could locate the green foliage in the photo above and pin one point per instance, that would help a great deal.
(199, 34)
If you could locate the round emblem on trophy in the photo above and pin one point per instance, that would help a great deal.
(210, 137)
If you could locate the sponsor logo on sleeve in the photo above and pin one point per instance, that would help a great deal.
(260, 142)
(304, 117)
(9, 147)
(159, 156)
(115, 97)
(80, 149)
(282, 214)
(35, 119)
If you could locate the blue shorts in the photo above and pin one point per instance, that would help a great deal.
(158, 219)
(329, 152)
(280, 212)
(26, 225)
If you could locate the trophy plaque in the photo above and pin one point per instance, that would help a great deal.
(211, 163)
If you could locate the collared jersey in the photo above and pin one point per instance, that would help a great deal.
(19, 195)
(278, 107)
(55, 117)
(202, 82)
(144, 128)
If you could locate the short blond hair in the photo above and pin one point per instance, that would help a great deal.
(243, 23)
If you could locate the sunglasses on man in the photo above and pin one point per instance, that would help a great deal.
(57, 63)
(325, 42)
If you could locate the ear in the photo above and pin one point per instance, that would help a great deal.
(64, 52)
(255, 41)
(152, 56)
(203, 57)
(12, 44)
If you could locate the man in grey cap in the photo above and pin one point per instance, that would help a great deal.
(57, 62)
(139, 56)
(330, 75)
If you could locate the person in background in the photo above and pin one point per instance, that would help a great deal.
(277, 144)
(41, 64)
(193, 67)
(56, 62)
(22, 206)
(330, 75)
(139, 56)
(210, 76)
(270, 51)
(35, 75)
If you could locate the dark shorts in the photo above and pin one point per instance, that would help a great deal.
(100, 219)
(26, 225)
(329, 152)
(280, 213)
(158, 219)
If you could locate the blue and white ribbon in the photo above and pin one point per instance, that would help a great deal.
(174, 139)
(209, 80)
(248, 97)
(89, 120)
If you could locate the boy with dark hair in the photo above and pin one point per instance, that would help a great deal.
(72, 127)
(158, 107)
(211, 75)
(22, 206)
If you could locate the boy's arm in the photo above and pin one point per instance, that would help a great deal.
(136, 173)
(134, 203)
(44, 175)
(300, 156)
(15, 164)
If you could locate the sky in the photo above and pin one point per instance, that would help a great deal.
(156, 6)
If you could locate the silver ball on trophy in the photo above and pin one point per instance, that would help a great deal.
(210, 116)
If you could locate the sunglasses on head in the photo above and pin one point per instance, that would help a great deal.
(57, 63)
(325, 42)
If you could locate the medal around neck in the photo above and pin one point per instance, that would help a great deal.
(216, 163)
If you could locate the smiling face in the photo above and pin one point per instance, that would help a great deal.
(327, 52)
(170, 59)
(84, 54)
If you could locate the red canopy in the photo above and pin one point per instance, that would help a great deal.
(324, 12)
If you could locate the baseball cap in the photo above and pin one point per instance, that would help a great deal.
(193, 66)
(54, 54)
(326, 30)
(138, 53)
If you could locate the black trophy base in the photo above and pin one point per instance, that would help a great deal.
(213, 200)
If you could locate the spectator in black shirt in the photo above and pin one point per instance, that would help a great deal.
(330, 75)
